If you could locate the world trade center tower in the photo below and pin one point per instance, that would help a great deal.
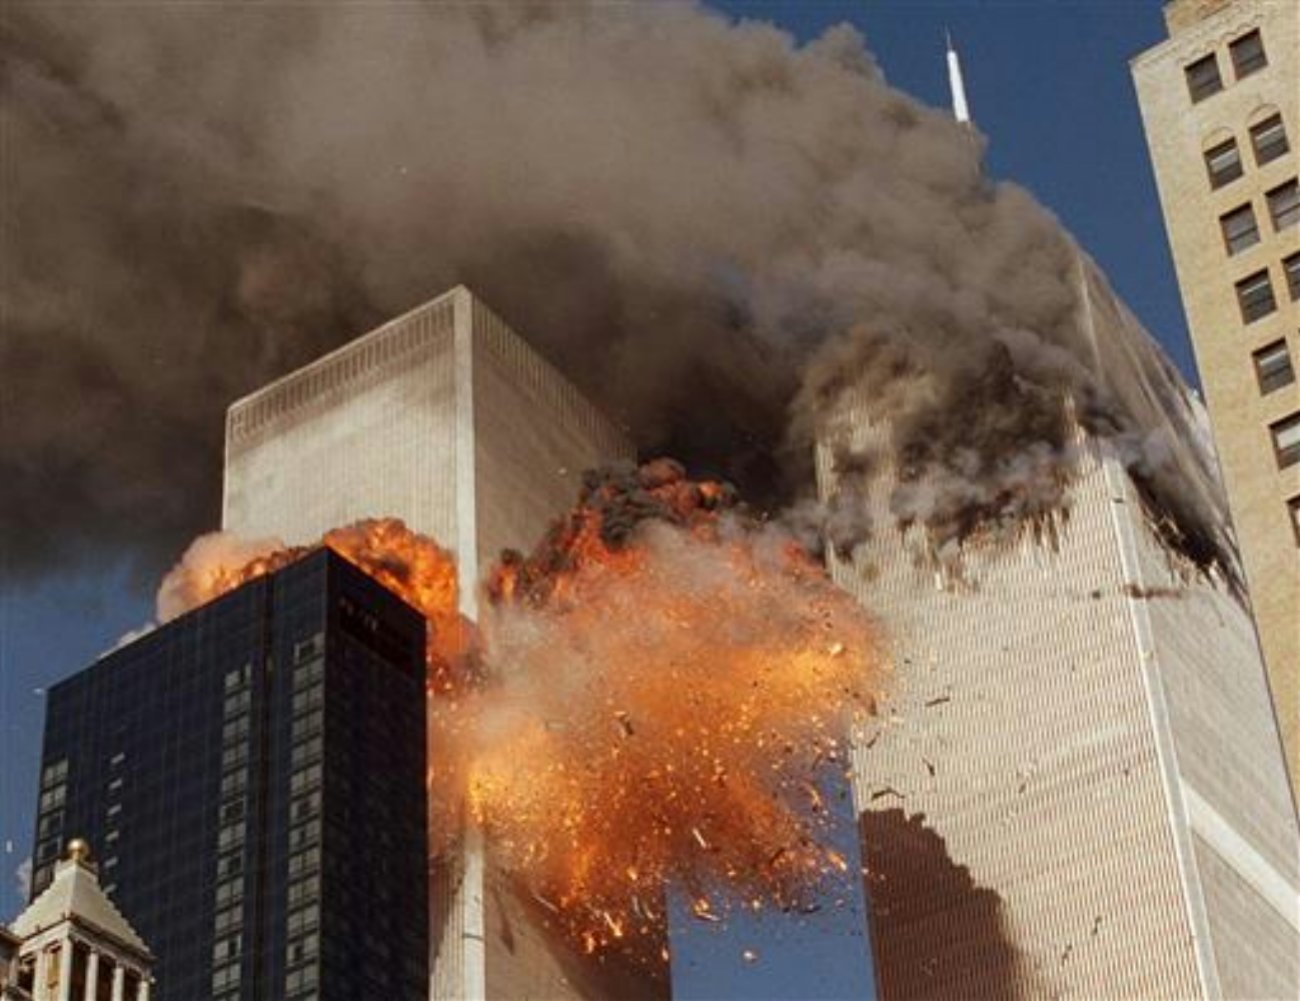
(445, 418)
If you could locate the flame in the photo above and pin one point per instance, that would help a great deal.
(667, 678)
(411, 565)
(654, 691)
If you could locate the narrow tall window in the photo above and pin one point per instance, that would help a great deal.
(1284, 205)
(1273, 367)
(1239, 229)
(1269, 139)
(1291, 265)
(1286, 440)
(1223, 163)
(1248, 54)
(1203, 78)
(1293, 508)
(1255, 296)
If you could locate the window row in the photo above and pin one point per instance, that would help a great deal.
(1247, 56)
(1255, 295)
(1241, 231)
(1268, 141)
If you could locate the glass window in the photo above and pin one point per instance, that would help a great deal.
(1293, 508)
(1291, 265)
(304, 862)
(55, 773)
(1248, 54)
(1269, 140)
(234, 783)
(230, 836)
(303, 919)
(1273, 367)
(1255, 296)
(1223, 163)
(305, 779)
(50, 824)
(1240, 231)
(304, 891)
(230, 865)
(1203, 78)
(235, 730)
(229, 892)
(1284, 205)
(228, 919)
(1286, 440)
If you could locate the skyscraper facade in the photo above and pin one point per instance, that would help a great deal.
(1078, 787)
(1220, 100)
(447, 419)
(255, 774)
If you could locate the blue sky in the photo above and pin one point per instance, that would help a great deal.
(1048, 84)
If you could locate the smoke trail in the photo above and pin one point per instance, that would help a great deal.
(715, 231)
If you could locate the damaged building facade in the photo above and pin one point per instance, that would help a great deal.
(1078, 786)
(445, 418)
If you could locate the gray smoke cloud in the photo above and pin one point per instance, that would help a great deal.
(716, 232)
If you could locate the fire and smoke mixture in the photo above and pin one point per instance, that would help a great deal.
(199, 199)
(655, 695)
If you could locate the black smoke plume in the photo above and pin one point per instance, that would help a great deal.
(716, 232)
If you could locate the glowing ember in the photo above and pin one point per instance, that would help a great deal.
(662, 680)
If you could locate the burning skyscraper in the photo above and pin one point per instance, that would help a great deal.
(1079, 787)
(446, 419)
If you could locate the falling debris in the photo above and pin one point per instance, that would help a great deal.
(701, 909)
(657, 611)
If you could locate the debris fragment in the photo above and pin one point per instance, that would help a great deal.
(703, 911)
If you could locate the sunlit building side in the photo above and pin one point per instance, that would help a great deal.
(1078, 786)
(1220, 102)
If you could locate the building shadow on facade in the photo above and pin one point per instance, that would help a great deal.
(935, 932)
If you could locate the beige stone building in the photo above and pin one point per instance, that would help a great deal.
(1077, 788)
(1220, 102)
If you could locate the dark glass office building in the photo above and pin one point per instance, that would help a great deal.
(252, 779)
